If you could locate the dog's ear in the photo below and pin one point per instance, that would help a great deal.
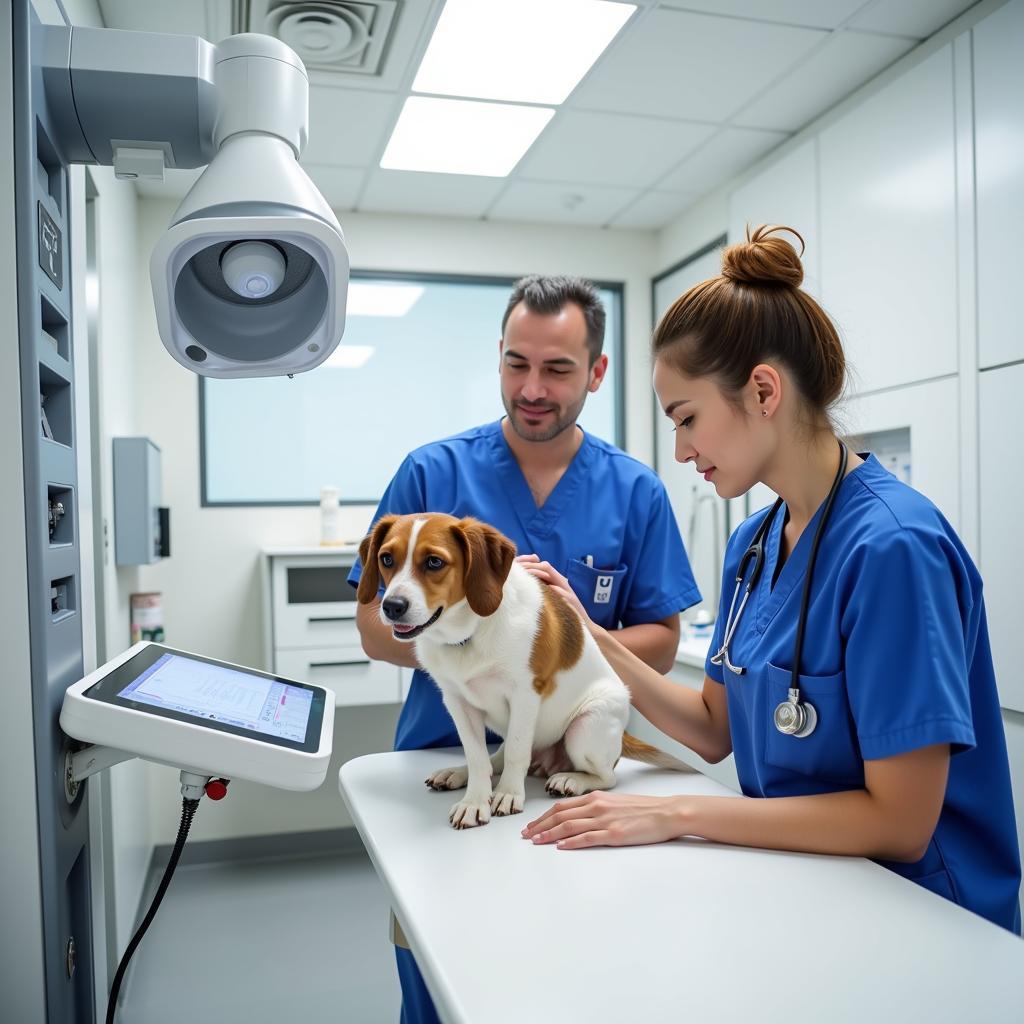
(369, 582)
(488, 556)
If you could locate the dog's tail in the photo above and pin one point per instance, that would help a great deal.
(637, 750)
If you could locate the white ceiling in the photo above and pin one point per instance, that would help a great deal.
(688, 94)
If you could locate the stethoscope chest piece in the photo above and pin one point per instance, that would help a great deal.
(795, 717)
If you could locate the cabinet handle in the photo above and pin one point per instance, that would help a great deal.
(329, 618)
(338, 664)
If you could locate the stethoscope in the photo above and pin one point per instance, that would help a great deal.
(793, 716)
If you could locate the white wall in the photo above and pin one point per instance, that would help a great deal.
(211, 583)
(931, 89)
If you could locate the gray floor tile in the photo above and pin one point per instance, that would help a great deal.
(271, 942)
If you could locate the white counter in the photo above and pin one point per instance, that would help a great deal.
(693, 652)
(505, 931)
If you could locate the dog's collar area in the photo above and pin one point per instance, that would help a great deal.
(460, 643)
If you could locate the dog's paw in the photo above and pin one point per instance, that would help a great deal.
(449, 778)
(469, 814)
(566, 784)
(507, 802)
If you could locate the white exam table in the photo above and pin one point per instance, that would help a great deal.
(505, 931)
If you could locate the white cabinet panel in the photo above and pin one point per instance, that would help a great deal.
(349, 673)
(931, 413)
(888, 229)
(784, 193)
(1002, 496)
(999, 177)
(700, 513)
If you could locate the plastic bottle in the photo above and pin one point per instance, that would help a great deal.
(330, 517)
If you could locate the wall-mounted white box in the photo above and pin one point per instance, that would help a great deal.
(141, 527)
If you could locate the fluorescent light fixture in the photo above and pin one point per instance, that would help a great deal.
(462, 137)
(349, 357)
(523, 51)
(366, 299)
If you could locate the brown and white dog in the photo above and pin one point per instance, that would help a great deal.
(508, 654)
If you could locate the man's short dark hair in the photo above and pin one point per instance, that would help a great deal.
(550, 295)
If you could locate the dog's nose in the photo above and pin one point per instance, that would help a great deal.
(395, 607)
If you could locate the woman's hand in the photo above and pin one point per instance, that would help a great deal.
(547, 573)
(611, 819)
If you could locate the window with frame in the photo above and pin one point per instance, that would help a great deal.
(418, 362)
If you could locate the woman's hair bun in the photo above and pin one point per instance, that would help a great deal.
(764, 259)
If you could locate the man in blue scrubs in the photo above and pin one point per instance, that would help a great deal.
(595, 514)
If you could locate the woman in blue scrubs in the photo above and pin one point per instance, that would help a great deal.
(907, 763)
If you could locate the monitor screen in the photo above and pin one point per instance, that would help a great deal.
(220, 694)
(190, 688)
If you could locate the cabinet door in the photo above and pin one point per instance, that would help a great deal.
(1002, 496)
(313, 603)
(347, 671)
(999, 177)
(784, 193)
(888, 229)
(929, 414)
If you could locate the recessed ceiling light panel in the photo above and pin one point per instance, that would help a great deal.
(462, 137)
(522, 51)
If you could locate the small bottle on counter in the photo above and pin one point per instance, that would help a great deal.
(330, 517)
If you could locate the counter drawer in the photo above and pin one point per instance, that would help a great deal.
(345, 670)
(316, 627)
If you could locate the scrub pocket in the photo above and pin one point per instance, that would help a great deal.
(598, 590)
(930, 872)
(831, 751)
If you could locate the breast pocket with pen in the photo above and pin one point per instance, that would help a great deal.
(599, 590)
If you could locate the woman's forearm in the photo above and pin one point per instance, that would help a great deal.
(852, 823)
(677, 711)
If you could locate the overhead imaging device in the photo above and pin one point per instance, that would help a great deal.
(251, 277)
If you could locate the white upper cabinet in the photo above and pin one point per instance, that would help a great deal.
(1002, 558)
(999, 176)
(784, 193)
(888, 229)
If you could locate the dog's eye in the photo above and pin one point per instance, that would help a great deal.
(435, 563)
(386, 560)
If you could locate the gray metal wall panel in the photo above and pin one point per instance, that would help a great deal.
(22, 979)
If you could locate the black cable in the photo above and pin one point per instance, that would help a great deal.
(794, 680)
(188, 810)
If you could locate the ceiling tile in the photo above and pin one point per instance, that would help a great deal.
(338, 185)
(454, 195)
(542, 202)
(830, 74)
(916, 18)
(812, 13)
(692, 66)
(610, 149)
(716, 162)
(654, 210)
(348, 126)
(183, 17)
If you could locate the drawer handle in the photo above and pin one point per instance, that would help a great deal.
(338, 664)
(329, 618)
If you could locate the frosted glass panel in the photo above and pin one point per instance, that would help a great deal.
(395, 383)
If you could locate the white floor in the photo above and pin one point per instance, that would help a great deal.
(282, 941)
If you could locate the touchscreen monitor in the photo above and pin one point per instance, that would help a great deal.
(223, 697)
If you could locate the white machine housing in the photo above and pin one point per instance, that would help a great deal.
(193, 747)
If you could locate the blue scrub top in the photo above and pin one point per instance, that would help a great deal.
(607, 505)
(896, 656)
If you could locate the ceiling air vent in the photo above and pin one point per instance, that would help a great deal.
(329, 35)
